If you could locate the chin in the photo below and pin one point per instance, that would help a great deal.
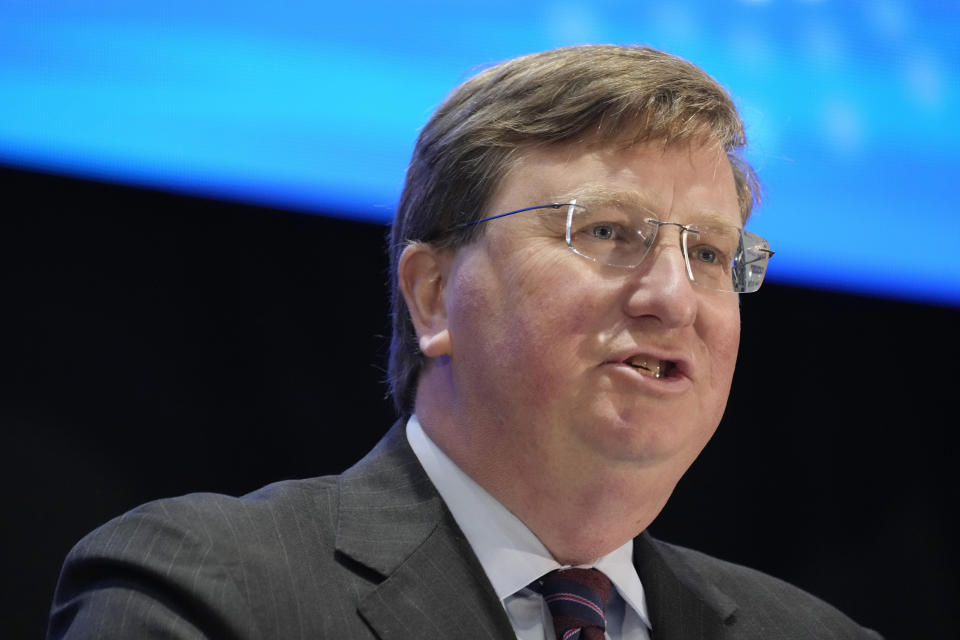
(647, 438)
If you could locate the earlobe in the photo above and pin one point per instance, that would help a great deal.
(435, 345)
(422, 273)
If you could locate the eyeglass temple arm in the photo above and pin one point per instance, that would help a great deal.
(767, 251)
(552, 205)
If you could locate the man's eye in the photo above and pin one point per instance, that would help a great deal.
(706, 255)
(603, 232)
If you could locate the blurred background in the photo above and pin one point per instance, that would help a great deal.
(191, 266)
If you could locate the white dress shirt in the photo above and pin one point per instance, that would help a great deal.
(513, 557)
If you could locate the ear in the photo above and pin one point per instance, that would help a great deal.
(422, 272)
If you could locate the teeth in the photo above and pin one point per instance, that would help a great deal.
(651, 367)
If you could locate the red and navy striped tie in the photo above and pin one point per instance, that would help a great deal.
(577, 598)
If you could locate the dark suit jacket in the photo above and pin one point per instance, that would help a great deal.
(373, 553)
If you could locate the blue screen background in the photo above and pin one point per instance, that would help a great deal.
(851, 107)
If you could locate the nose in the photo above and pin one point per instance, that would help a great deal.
(660, 287)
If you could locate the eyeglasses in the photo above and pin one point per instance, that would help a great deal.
(717, 256)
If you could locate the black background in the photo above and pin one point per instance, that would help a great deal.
(157, 344)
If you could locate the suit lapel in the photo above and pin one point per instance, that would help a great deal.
(682, 604)
(392, 521)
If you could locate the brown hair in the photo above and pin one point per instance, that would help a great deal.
(604, 93)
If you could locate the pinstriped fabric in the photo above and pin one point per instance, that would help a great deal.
(695, 596)
(371, 554)
(576, 599)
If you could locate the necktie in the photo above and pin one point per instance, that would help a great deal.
(576, 598)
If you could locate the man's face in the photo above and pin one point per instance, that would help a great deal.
(544, 343)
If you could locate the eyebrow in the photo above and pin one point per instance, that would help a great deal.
(595, 194)
(598, 194)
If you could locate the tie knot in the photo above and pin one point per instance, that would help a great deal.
(577, 599)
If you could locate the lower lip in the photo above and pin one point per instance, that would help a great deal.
(675, 383)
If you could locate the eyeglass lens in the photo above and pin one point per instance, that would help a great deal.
(720, 257)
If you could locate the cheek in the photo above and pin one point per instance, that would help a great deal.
(722, 337)
(527, 324)
(555, 306)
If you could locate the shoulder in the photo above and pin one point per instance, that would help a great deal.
(267, 564)
(203, 523)
(274, 511)
(765, 605)
(201, 565)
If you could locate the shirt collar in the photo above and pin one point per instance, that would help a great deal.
(510, 554)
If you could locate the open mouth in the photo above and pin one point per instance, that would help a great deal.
(651, 367)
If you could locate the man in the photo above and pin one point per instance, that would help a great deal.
(566, 258)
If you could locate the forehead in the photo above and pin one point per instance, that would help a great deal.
(687, 183)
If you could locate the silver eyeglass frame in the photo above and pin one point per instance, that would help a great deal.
(685, 231)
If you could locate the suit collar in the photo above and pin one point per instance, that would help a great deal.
(387, 506)
(392, 521)
(683, 604)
